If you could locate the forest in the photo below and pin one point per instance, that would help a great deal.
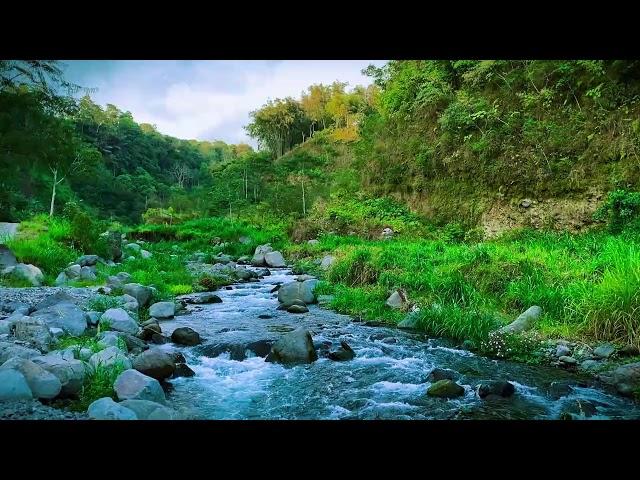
(446, 198)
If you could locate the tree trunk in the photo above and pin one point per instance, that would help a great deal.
(53, 191)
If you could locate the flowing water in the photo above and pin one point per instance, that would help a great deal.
(388, 379)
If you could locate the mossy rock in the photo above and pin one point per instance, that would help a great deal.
(445, 389)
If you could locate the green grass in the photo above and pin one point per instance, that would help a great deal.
(103, 303)
(587, 285)
(44, 242)
(97, 385)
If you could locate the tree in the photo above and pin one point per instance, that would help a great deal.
(181, 173)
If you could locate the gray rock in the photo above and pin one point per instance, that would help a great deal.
(106, 409)
(526, 203)
(88, 260)
(344, 353)
(274, 260)
(9, 350)
(73, 271)
(297, 309)
(27, 272)
(244, 240)
(140, 293)
(185, 336)
(43, 384)
(524, 322)
(5, 327)
(56, 332)
(183, 370)
(110, 357)
(85, 354)
(58, 297)
(64, 315)
(327, 261)
(496, 388)
(313, 242)
(133, 247)
(70, 372)
(562, 351)
(162, 310)
(61, 279)
(130, 304)
(111, 339)
(293, 348)
(34, 331)
(387, 233)
(626, 378)
(298, 290)
(155, 363)
(604, 350)
(258, 259)
(410, 322)
(133, 385)
(148, 410)
(568, 360)
(146, 254)
(398, 299)
(592, 366)
(119, 320)
(93, 318)
(7, 258)
(13, 386)
(87, 273)
(438, 374)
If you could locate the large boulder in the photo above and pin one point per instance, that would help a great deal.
(9, 350)
(343, 353)
(155, 363)
(411, 321)
(185, 336)
(7, 258)
(132, 247)
(398, 299)
(445, 389)
(70, 372)
(58, 297)
(65, 315)
(525, 321)
(43, 384)
(27, 272)
(61, 279)
(162, 310)
(625, 378)
(110, 357)
(106, 409)
(148, 410)
(118, 280)
(129, 303)
(88, 260)
(13, 386)
(34, 331)
(498, 388)
(145, 254)
(141, 293)
(327, 261)
(274, 260)
(201, 298)
(73, 271)
(258, 259)
(604, 351)
(87, 273)
(293, 348)
(120, 321)
(298, 291)
(133, 385)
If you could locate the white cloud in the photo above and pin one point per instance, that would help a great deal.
(212, 99)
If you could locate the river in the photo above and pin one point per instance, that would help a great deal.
(388, 379)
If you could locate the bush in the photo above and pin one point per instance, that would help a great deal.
(519, 347)
(621, 209)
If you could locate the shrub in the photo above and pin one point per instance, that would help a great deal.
(620, 209)
(519, 347)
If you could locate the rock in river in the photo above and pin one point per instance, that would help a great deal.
(155, 363)
(185, 336)
(162, 310)
(446, 389)
(293, 348)
(133, 385)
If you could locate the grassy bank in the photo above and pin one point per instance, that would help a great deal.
(588, 285)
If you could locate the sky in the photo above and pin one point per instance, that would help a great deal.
(205, 99)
